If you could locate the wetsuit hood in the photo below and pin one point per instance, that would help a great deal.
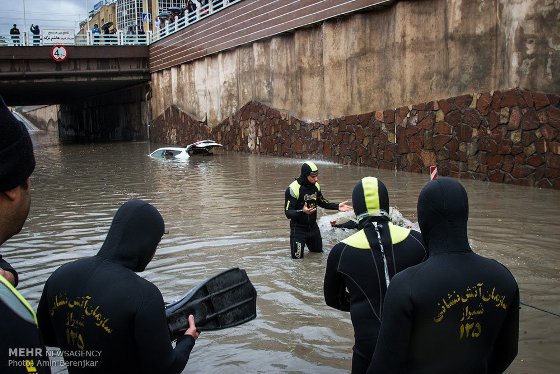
(370, 200)
(307, 168)
(443, 212)
(134, 234)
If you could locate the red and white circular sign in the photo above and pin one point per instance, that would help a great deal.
(59, 53)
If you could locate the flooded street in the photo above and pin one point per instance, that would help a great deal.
(226, 211)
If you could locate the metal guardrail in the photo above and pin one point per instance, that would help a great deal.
(171, 26)
(188, 19)
(87, 39)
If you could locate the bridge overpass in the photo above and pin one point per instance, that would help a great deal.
(101, 89)
(31, 76)
(96, 65)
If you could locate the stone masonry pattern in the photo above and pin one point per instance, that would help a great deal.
(508, 137)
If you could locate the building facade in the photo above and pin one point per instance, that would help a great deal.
(104, 13)
(142, 14)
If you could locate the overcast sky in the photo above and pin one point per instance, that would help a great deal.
(65, 14)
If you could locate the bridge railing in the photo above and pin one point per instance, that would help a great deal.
(89, 38)
(120, 38)
(178, 23)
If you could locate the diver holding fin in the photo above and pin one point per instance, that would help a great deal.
(226, 300)
(100, 305)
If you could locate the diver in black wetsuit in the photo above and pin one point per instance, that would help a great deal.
(100, 305)
(301, 200)
(360, 267)
(457, 312)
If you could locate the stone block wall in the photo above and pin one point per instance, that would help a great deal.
(508, 136)
(177, 128)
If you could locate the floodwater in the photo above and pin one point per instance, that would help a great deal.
(226, 210)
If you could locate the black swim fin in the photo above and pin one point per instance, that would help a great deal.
(225, 300)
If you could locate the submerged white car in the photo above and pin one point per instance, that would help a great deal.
(202, 147)
(170, 153)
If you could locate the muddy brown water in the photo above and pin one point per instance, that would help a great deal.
(227, 210)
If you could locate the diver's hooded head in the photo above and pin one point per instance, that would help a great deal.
(307, 169)
(135, 232)
(443, 212)
(370, 200)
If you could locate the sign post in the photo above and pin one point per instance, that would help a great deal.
(433, 172)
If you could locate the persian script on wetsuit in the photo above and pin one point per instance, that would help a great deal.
(472, 301)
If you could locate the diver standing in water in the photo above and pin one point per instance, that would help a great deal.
(457, 312)
(359, 268)
(301, 200)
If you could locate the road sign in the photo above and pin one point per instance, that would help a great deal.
(97, 6)
(146, 17)
(58, 37)
(59, 53)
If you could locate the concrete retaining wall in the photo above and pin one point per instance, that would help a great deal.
(45, 118)
(410, 52)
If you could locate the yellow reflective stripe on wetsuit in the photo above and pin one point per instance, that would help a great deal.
(295, 187)
(16, 302)
(359, 239)
(294, 190)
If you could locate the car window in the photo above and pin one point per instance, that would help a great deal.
(168, 154)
